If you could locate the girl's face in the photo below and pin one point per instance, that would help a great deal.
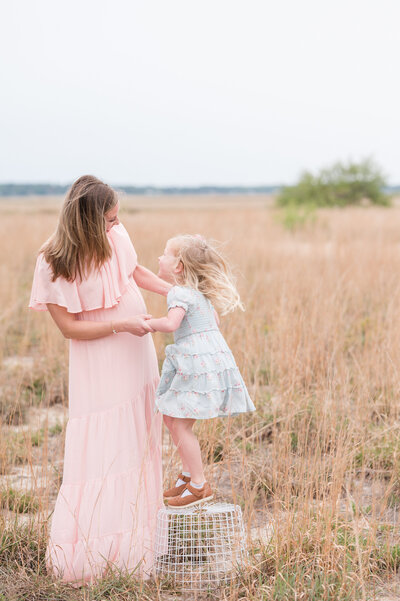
(111, 217)
(169, 265)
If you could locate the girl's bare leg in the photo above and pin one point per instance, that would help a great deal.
(168, 422)
(189, 447)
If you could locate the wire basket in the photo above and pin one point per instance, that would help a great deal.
(199, 548)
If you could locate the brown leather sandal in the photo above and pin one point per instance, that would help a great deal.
(196, 497)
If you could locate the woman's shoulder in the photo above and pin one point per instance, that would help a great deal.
(46, 289)
(119, 235)
(99, 289)
(119, 231)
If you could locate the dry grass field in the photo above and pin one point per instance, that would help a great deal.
(316, 469)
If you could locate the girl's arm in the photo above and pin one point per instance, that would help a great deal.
(148, 280)
(70, 327)
(169, 323)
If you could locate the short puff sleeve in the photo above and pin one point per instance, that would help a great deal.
(179, 296)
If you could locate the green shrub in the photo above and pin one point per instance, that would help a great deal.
(295, 216)
(339, 185)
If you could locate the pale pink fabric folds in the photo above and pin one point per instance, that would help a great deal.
(100, 290)
(106, 508)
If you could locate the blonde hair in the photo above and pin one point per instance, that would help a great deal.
(80, 241)
(205, 269)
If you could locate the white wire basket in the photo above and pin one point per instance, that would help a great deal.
(199, 548)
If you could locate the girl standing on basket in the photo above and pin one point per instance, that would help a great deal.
(199, 378)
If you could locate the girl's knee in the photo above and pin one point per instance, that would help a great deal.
(180, 423)
(176, 424)
(172, 423)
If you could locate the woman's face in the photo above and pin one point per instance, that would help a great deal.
(111, 217)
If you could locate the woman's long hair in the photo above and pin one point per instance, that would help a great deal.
(80, 241)
(205, 269)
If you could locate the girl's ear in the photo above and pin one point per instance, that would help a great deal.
(179, 267)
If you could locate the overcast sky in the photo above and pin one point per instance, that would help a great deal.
(207, 92)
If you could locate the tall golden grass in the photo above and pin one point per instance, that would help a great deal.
(319, 348)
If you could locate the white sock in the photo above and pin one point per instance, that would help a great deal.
(179, 481)
(187, 492)
(197, 485)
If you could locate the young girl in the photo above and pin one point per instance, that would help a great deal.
(199, 378)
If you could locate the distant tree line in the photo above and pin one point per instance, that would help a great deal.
(28, 189)
(341, 184)
(54, 189)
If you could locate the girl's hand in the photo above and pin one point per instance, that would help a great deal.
(138, 325)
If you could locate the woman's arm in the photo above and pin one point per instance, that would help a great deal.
(169, 323)
(148, 280)
(71, 327)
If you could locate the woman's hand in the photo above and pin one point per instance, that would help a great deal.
(138, 325)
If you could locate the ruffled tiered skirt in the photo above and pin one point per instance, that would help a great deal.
(107, 505)
(200, 379)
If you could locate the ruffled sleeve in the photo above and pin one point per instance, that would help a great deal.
(44, 290)
(101, 289)
(179, 296)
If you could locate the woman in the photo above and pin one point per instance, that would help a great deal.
(87, 277)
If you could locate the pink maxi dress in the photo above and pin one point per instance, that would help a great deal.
(106, 508)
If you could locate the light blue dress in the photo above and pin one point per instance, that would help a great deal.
(199, 377)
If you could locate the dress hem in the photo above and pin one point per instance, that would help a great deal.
(196, 417)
